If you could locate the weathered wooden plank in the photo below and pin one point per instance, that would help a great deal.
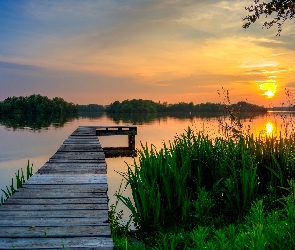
(75, 139)
(67, 188)
(82, 141)
(87, 153)
(49, 232)
(85, 137)
(54, 179)
(73, 160)
(54, 207)
(58, 201)
(51, 222)
(51, 194)
(69, 213)
(72, 170)
(78, 155)
(76, 165)
(81, 136)
(80, 147)
(78, 158)
(102, 243)
(76, 161)
(82, 129)
(84, 133)
(78, 142)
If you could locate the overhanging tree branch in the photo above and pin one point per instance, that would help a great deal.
(284, 9)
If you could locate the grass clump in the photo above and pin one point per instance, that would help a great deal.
(197, 192)
(20, 180)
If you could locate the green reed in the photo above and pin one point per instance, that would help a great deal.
(167, 183)
(20, 180)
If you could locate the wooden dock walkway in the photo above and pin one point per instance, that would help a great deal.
(65, 204)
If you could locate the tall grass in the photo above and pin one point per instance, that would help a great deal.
(230, 192)
(20, 180)
(173, 185)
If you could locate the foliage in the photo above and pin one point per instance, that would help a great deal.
(36, 104)
(91, 108)
(148, 106)
(259, 229)
(198, 192)
(20, 180)
(284, 9)
(119, 229)
(230, 192)
(131, 106)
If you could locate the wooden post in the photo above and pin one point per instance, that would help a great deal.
(131, 142)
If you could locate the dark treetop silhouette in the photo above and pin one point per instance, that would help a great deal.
(284, 9)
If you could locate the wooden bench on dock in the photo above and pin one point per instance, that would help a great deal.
(131, 131)
(65, 204)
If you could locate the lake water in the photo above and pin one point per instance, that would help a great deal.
(19, 143)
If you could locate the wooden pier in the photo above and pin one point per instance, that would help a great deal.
(65, 204)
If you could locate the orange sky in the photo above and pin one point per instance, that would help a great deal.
(173, 51)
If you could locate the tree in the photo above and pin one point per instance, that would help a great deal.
(36, 104)
(284, 9)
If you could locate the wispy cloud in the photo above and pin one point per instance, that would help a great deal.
(18, 66)
(259, 63)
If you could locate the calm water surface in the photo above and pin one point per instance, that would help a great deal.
(18, 145)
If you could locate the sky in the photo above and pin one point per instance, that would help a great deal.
(95, 51)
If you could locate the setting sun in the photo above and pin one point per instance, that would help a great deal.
(270, 88)
(269, 94)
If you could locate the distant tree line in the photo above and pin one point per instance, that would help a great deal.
(286, 108)
(148, 106)
(91, 108)
(134, 106)
(37, 104)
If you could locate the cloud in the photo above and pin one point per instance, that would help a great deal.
(264, 71)
(18, 66)
(258, 63)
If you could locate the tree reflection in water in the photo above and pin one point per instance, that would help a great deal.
(34, 122)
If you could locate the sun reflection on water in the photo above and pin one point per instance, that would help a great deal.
(269, 128)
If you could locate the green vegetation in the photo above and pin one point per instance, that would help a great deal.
(20, 180)
(148, 106)
(91, 108)
(133, 106)
(200, 193)
(36, 104)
